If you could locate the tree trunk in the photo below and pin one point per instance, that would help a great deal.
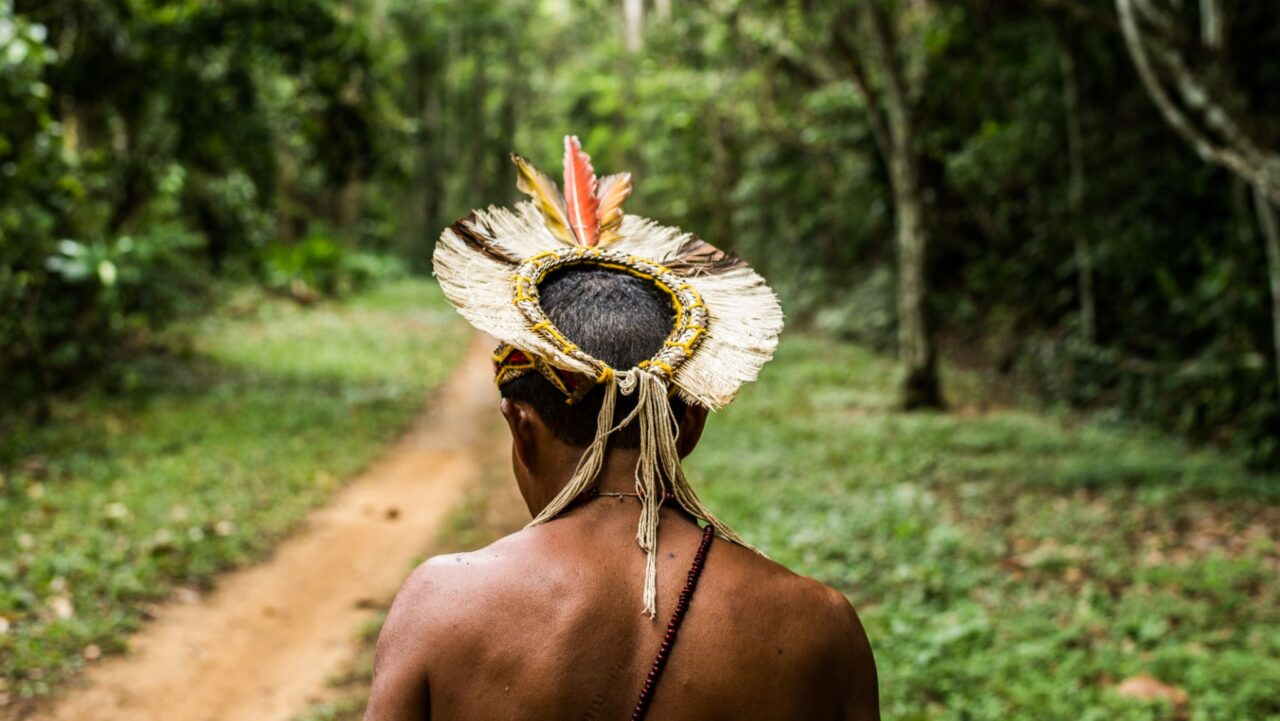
(1076, 187)
(422, 201)
(916, 352)
(1271, 239)
(1211, 25)
(920, 387)
(377, 19)
(633, 23)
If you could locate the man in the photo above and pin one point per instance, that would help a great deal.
(543, 624)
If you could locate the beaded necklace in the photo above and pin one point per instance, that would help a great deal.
(594, 493)
(677, 618)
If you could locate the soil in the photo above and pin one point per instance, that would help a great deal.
(264, 643)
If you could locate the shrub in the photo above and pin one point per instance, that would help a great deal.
(321, 264)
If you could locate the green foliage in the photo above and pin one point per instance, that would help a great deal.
(122, 499)
(290, 138)
(147, 147)
(744, 122)
(1005, 564)
(321, 263)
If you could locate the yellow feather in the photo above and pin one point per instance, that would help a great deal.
(540, 187)
(613, 190)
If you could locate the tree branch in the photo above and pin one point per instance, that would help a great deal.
(875, 120)
(1239, 154)
(1212, 32)
(1271, 239)
(881, 46)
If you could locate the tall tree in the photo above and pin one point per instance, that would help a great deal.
(890, 78)
(1076, 184)
(633, 24)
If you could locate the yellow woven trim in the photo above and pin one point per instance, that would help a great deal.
(654, 363)
(690, 312)
(687, 344)
(550, 374)
(506, 371)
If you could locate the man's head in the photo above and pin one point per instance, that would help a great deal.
(615, 317)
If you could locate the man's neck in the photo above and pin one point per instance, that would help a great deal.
(617, 475)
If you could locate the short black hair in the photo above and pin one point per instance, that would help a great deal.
(616, 318)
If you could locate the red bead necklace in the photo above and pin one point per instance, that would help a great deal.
(673, 627)
(682, 605)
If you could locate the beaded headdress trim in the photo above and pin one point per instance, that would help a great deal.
(687, 332)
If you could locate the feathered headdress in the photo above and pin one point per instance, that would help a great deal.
(727, 322)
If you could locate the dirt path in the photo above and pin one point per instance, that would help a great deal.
(263, 644)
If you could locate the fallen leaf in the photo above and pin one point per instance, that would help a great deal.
(1149, 688)
(62, 607)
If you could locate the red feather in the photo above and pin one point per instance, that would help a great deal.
(580, 193)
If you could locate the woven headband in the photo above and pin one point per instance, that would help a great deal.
(491, 263)
(685, 335)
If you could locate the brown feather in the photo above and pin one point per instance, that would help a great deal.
(698, 257)
(466, 228)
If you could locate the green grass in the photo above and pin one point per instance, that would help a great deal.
(208, 460)
(1007, 564)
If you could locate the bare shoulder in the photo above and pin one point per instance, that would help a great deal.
(802, 596)
(840, 643)
(440, 608)
(826, 613)
(831, 623)
(822, 625)
(446, 589)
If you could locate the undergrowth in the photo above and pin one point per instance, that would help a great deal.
(208, 459)
(1007, 564)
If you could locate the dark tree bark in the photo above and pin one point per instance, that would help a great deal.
(1270, 228)
(1077, 188)
(894, 129)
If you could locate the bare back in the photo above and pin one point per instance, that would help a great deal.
(547, 624)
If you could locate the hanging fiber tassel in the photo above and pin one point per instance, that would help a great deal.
(592, 459)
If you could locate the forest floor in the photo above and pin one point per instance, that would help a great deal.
(268, 639)
(132, 503)
(1008, 562)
